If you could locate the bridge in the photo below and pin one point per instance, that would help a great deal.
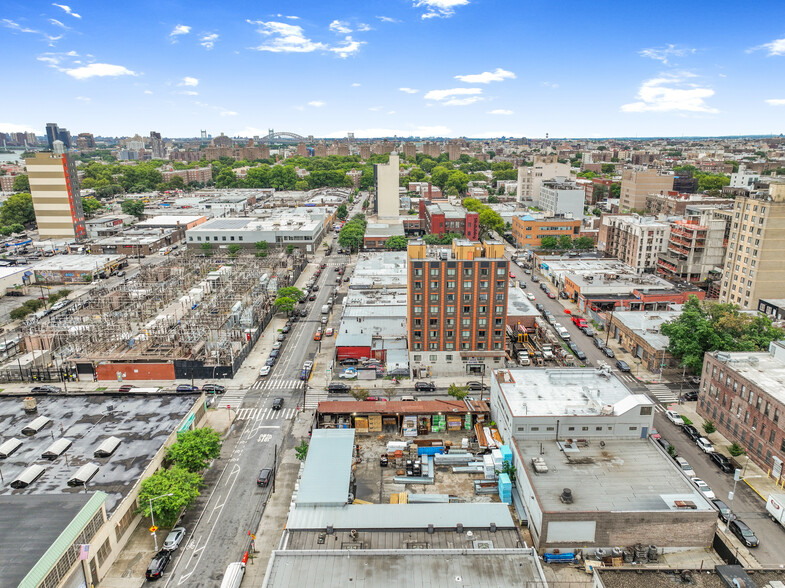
(282, 137)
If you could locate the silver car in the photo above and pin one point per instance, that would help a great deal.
(174, 538)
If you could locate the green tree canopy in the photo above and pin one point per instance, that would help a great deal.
(439, 177)
(21, 183)
(291, 292)
(195, 449)
(178, 481)
(133, 207)
(711, 326)
(18, 208)
(549, 243)
(608, 168)
(583, 243)
(490, 220)
(90, 205)
(396, 243)
(445, 239)
(342, 212)
(565, 242)
(234, 248)
(458, 392)
(284, 304)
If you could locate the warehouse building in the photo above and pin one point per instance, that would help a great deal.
(304, 232)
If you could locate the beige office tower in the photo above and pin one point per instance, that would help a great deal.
(637, 184)
(56, 199)
(754, 262)
(387, 176)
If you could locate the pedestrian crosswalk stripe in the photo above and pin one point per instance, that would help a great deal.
(263, 414)
(662, 393)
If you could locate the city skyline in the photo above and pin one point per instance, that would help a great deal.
(449, 68)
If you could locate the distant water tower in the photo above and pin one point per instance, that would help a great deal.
(204, 135)
(58, 147)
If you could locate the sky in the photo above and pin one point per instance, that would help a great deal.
(472, 68)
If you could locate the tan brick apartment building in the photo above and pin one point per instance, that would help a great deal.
(637, 184)
(742, 395)
(528, 230)
(457, 307)
(56, 199)
(633, 239)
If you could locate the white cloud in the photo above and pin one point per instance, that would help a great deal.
(416, 131)
(284, 16)
(208, 40)
(189, 81)
(83, 98)
(442, 94)
(362, 27)
(340, 26)
(99, 70)
(776, 102)
(775, 47)
(228, 113)
(439, 8)
(391, 112)
(17, 128)
(285, 38)
(189, 93)
(463, 101)
(349, 47)
(316, 103)
(665, 53)
(375, 108)
(179, 30)
(501, 111)
(487, 77)
(671, 93)
(57, 23)
(356, 85)
(148, 91)
(408, 90)
(10, 24)
(67, 10)
(552, 85)
(388, 19)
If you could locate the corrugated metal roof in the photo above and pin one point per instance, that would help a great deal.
(328, 468)
(64, 542)
(395, 516)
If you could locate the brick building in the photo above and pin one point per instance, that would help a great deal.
(528, 230)
(742, 395)
(673, 203)
(633, 239)
(637, 184)
(438, 218)
(457, 307)
(198, 174)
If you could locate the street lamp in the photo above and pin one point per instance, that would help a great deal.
(152, 518)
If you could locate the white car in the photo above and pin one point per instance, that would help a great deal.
(674, 417)
(703, 487)
(705, 445)
(530, 296)
(174, 539)
(277, 345)
(265, 371)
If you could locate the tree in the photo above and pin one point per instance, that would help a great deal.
(182, 484)
(284, 304)
(17, 208)
(261, 245)
(342, 212)
(233, 249)
(207, 248)
(359, 393)
(608, 168)
(736, 450)
(440, 175)
(549, 243)
(458, 180)
(291, 292)
(90, 205)
(599, 192)
(391, 392)
(458, 392)
(133, 207)
(712, 181)
(615, 190)
(21, 183)
(301, 451)
(195, 449)
(289, 249)
(396, 243)
(490, 220)
(711, 326)
(565, 242)
(708, 427)
(583, 243)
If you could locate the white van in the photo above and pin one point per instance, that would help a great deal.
(233, 575)
(563, 333)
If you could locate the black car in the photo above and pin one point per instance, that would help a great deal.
(539, 307)
(690, 396)
(277, 403)
(535, 279)
(622, 365)
(312, 297)
(476, 386)
(664, 443)
(599, 343)
(270, 362)
(265, 477)
(564, 295)
(691, 432)
(303, 312)
(588, 331)
(275, 353)
(158, 564)
(46, 390)
(580, 354)
(608, 352)
(743, 532)
(214, 388)
(315, 287)
(349, 361)
(286, 328)
(338, 388)
(725, 512)
(722, 462)
(573, 347)
(187, 388)
(425, 386)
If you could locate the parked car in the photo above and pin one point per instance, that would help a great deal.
(174, 538)
(286, 328)
(277, 344)
(376, 399)
(622, 365)
(527, 272)
(277, 403)
(315, 287)
(425, 386)
(270, 362)
(690, 396)
(535, 279)
(214, 388)
(303, 312)
(280, 337)
(324, 265)
(588, 331)
(599, 343)
(265, 477)
(705, 445)
(329, 332)
(743, 532)
(539, 307)
(564, 295)
(46, 389)
(474, 386)
(264, 370)
(608, 352)
(187, 388)
(580, 354)
(349, 373)
(691, 432)
(724, 511)
(664, 443)
(349, 361)
(550, 294)
(338, 388)
(703, 487)
(312, 297)
(530, 296)
(722, 462)
(674, 417)
(275, 353)
(126, 388)
(685, 467)
(158, 564)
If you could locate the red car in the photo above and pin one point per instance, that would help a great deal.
(324, 265)
(551, 295)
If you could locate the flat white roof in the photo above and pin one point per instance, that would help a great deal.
(170, 219)
(13, 269)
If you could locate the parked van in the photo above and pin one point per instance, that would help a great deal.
(563, 333)
(233, 575)
(326, 309)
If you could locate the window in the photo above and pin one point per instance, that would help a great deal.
(418, 272)
(467, 285)
(484, 283)
(448, 357)
(433, 334)
(431, 358)
(633, 428)
(451, 272)
(467, 309)
(418, 285)
(434, 285)
(646, 410)
(450, 284)
(434, 271)
(417, 357)
(535, 429)
(466, 334)
(433, 347)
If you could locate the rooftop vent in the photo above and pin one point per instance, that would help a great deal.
(9, 447)
(83, 475)
(56, 449)
(107, 447)
(28, 476)
(36, 425)
(566, 496)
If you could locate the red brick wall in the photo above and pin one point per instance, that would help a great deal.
(136, 371)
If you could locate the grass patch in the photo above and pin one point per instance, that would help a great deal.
(686, 420)
(101, 389)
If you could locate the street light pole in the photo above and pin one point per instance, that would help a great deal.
(152, 518)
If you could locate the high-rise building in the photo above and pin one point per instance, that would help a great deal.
(56, 199)
(302, 150)
(637, 184)
(753, 262)
(52, 134)
(453, 151)
(457, 299)
(65, 136)
(409, 150)
(85, 141)
(365, 151)
(561, 196)
(633, 239)
(387, 180)
(431, 149)
(157, 145)
(530, 178)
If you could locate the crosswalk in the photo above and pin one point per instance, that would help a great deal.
(313, 398)
(662, 393)
(277, 384)
(264, 414)
(233, 398)
(627, 377)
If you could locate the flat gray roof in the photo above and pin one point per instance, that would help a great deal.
(428, 568)
(647, 325)
(75, 262)
(141, 422)
(623, 476)
(328, 468)
(518, 304)
(759, 367)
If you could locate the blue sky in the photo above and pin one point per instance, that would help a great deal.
(422, 67)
